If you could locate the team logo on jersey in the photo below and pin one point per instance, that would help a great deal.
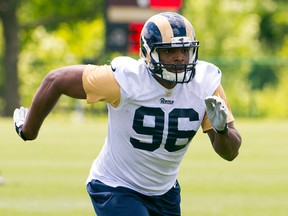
(164, 101)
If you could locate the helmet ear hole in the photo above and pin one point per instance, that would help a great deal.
(143, 52)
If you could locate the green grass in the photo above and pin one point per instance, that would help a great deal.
(47, 176)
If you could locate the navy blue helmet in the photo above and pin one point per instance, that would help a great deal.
(168, 30)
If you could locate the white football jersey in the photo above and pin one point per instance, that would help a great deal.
(150, 129)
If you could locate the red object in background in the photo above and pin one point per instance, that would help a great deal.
(123, 32)
(134, 29)
(166, 4)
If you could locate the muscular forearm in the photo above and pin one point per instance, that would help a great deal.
(226, 145)
(43, 102)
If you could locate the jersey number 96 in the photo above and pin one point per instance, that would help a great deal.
(156, 132)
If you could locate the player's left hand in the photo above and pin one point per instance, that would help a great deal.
(19, 117)
(217, 113)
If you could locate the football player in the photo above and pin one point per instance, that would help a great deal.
(156, 104)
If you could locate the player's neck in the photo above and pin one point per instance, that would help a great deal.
(166, 84)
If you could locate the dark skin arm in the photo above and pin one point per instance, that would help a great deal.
(67, 81)
(226, 145)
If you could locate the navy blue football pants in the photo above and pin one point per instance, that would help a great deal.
(121, 201)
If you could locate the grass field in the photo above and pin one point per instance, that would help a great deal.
(47, 176)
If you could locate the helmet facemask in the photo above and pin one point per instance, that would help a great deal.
(175, 72)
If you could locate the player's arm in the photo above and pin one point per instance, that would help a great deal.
(224, 137)
(227, 144)
(67, 81)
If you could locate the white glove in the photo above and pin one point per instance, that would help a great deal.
(217, 113)
(19, 117)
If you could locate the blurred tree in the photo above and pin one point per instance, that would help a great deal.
(8, 10)
(18, 15)
(273, 28)
(248, 40)
(273, 25)
(262, 75)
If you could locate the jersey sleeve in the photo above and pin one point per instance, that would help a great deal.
(100, 85)
(206, 125)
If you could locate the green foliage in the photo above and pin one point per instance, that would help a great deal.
(240, 37)
(53, 13)
(224, 28)
(64, 46)
(272, 100)
(246, 39)
(262, 75)
(273, 25)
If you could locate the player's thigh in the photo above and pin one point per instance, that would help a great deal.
(115, 201)
(167, 204)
